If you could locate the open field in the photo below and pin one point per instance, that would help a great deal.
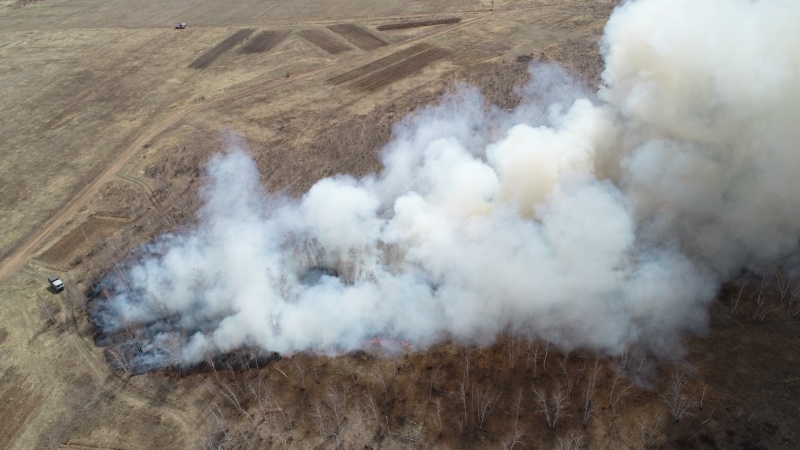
(324, 41)
(264, 41)
(225, 45)
(357, 36)
(19, 403)
(80, 241)
(106, 124)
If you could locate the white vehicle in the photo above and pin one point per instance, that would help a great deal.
(56, 282)
(180, 26)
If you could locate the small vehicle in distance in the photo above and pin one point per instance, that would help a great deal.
(180, 26)
(56, 282)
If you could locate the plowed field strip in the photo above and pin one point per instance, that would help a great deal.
(264, 41)
(358, 36)
(324, 41)
(400, 70)
(379, 64)
(421, 23)
(215, 52)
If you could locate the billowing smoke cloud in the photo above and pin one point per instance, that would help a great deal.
(598, 221)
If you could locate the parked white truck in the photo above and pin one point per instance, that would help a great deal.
(56, 282)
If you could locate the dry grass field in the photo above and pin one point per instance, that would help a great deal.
(107, 116)
(264, 41)
(325, 41)
(357, 36)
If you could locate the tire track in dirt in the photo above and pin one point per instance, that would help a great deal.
(148, 192)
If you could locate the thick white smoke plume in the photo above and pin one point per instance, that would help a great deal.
(596, 221)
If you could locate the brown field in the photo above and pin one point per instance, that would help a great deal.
(88, 139)
(20, 401)
(80, 241)
(357, 36)
(324, 41)
(23, 3)
(401, 69)
(379, 64)
(421, 23)
(264, 41)
(205, 60)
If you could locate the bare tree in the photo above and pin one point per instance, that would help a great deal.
(588, 403)
(319, 418)
(230, 394)
(519, 432)
(120, 360)
(533, 355)
(438, 403)
(573, 441)
(616, 395)
(301, 372)
(648, 430)
(794, 303)
(735, 308)
(512, 346)
(514, 439)
(464, 385)
(433, 381)
(783, 284)
(484, 401)
(517, 408)
(337, 402)
(462, 399)
(467, 362)
(569, 376)
(544, 361)
(677, 400)
(761, 299)
(379, 375)
(702, 396)
(624, 359)
(553, 408)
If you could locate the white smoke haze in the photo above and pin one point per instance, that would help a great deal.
(593, 221)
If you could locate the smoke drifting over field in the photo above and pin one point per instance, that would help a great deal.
(592, 220)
